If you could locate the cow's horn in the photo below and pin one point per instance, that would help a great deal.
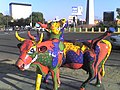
(34, 38)
(43, 25)
(41, 38)
(18, 37)
(31, 36)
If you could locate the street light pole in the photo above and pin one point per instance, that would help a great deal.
(7, 22)
(31, 20)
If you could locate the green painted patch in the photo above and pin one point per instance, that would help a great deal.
(45, 59)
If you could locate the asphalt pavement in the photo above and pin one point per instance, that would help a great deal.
(13, 79)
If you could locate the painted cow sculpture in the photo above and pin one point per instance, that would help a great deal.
(51, 54)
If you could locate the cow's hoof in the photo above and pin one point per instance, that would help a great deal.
(58, 85)
(97, 85)
(45, 81)
(82, 88)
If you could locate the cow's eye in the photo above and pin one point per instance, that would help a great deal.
(32, 50)
(42, 49)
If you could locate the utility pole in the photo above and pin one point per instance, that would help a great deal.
(74, 23)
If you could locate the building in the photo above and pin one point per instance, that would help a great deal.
(70, 19)
(20, 10)
(108, 16)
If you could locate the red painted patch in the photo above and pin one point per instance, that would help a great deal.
(82, 88)
(47, 44)
(26, 45)
(23, 51)
(60, 59)
(20, 64)
(44, 68)
(73, 65)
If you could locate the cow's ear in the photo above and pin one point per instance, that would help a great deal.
(19, 45)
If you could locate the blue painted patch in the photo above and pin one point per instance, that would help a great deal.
(87, 56)
(55, 53)
(72, 57)
(97, 50)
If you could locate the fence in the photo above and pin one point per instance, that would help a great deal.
(92, 30)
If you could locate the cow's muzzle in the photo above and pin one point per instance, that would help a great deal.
(20, 64)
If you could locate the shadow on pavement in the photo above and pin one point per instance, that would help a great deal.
(11, 76)
(13, 79)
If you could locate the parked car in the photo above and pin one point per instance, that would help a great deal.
(9, 29)
(115, 40)
(40, 29)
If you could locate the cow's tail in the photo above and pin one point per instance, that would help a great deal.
(108, 54)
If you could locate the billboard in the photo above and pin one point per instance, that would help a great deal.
(108, 16)
(77, 10)
(20, 10)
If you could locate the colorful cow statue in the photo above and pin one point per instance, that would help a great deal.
(54, 53)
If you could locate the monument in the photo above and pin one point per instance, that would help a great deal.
(90, 12)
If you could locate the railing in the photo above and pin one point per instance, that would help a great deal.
(92, 30)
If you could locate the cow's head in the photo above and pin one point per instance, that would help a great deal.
(28, 50)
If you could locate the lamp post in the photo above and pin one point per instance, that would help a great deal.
(7, 22)
(31, 20)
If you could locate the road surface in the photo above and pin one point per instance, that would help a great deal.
(13, 79)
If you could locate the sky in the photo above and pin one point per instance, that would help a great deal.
(63, 8)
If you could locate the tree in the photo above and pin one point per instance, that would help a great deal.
(28, 20)
(1, 19)
(6, 19)
(37, 17)
(21, 22)
(118, 13)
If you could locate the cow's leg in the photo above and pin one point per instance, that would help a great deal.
(45, 80)
(91, 75)
(40, 69)
(89, 58)
(38, 81)
(99, 77)
(101, 73)
(58, 77)
(54, 78)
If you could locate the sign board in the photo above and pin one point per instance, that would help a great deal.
(77, 10)
(74, 9)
